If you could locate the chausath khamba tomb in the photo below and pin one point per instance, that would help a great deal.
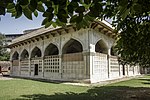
(68, 54)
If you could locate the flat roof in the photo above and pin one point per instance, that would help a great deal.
(43, 30)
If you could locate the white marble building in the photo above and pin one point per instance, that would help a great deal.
(68, 54)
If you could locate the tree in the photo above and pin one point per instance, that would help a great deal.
(4, 54)
(130, 17)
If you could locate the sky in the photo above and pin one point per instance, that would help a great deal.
(10, 25)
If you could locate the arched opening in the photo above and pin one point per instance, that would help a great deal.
(15, 59)
(36, 52)
(51, 59)
(101, 47)
(51, 50)
(15, 56)
(72, 46)
(24, 54)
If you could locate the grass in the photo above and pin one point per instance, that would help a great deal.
(22, 89)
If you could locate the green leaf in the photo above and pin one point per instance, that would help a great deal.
(50, 9)
(93, 12)
(50, 17)
(18, 14)
(123, 2)
(48, 24)
(122, 9)
(2, 10)
(44, 1)
(137, 8)
(11, 10)
(10, 6)
(98, 7)
(87, 1)
(48, 3)
(33, 5)
(18, 11)
(62, 18)
(63, 4)
(76, 0)
(79, 18)
(35, 13)
(23, 2)
(27, 12)
(96, 1)
(40, 8)
(86, 23)
(70, 9)
(80, 9)
(54, 24)
(125, 14)
(79, 25)
(13, 14)
(74, 4)
(89, 18)
(62, 15)
(48, 12)
(56, 2)
(73, 19)
(45, 21)
(59, 23)
(108, 3)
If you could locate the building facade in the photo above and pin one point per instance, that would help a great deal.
(10, 37)
(68, 54)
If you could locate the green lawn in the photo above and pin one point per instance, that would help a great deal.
(22, 89)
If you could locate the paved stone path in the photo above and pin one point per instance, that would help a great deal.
(103, 83)
(4, 78)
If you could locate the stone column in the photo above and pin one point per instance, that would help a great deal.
(86, 58)
(60, 57)
(91, 56)
(60, 66)
(19, 66)
(11, 67)
(29, 66)
(127, 70)
(139, 72)
(108, 60)
(134, 70)
(43, 66)
(120, 73)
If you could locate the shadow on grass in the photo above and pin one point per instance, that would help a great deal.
(97, 93)
(39, 79)
(145, 80)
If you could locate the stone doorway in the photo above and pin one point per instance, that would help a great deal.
(123, 69)
(36, 69)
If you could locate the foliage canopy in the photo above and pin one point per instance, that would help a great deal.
(4, 54)
(130, 17)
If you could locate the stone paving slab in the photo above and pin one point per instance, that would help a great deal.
(5, 78)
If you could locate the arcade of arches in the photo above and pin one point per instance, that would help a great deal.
(67, 56)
